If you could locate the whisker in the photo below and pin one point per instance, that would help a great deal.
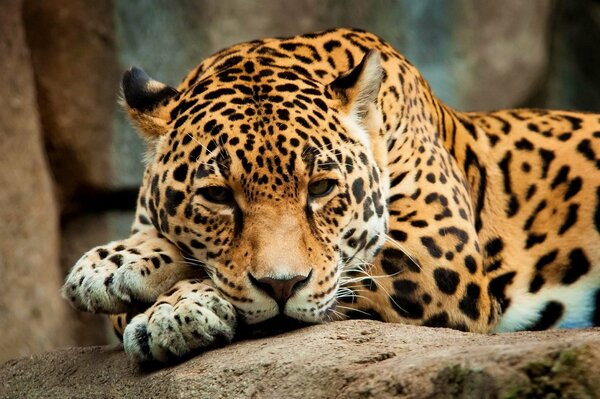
(356, 287)
(398, 246)
(340, 315)
(374, 279)
(196, 262)
(350, 292)
(388, 295)
(356, 310)
(320, 151)
(332, 312)
(368, 277)
(207, 150)
(351, 296)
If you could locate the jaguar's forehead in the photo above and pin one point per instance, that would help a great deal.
(249, 79)
(255, 157)
(267, 122)
(270, 160)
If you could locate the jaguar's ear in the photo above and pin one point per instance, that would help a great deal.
(146, 101)
(357, 89)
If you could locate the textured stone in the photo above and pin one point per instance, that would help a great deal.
(73, 53)
(573, 80)
(502, 51)
(354, 359)
(32, 314)
(479, 55)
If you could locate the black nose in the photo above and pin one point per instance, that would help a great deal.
(280, 289)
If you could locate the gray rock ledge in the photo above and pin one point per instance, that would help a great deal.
(352, 359)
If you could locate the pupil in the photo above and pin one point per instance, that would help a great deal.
(321, 187)
(217, 193)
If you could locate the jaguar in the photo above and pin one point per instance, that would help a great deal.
(318, 178)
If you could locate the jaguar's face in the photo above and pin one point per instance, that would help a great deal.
(268, 184)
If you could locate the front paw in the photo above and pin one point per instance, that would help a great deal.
(191, 317)
(88, 283)
(114, 278)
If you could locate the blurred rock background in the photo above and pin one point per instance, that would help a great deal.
(70, 164)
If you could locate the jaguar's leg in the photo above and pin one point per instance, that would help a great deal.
(113, 278)
(191, 316)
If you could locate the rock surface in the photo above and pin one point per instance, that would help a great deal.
(73, 55)
(72, 48)
(353, 359)
(32, 315)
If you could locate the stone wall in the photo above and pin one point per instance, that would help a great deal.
(32, 315)
(71, 163)
(73, 54)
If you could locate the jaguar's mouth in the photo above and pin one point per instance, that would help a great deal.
(276, 325)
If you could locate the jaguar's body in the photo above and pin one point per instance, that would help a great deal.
(319, 177)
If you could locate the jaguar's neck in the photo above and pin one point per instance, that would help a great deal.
(437, 189)
(435, 125)
(426, 117)
(461, 137)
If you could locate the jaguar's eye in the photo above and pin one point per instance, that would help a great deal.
(321, 188)
(217, 194)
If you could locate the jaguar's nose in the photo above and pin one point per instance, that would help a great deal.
(281, 289)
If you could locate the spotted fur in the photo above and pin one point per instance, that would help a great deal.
(473, 221)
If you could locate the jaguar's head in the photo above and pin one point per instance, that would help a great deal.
(274, 182)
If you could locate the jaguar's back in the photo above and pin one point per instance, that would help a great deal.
(541, 217)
